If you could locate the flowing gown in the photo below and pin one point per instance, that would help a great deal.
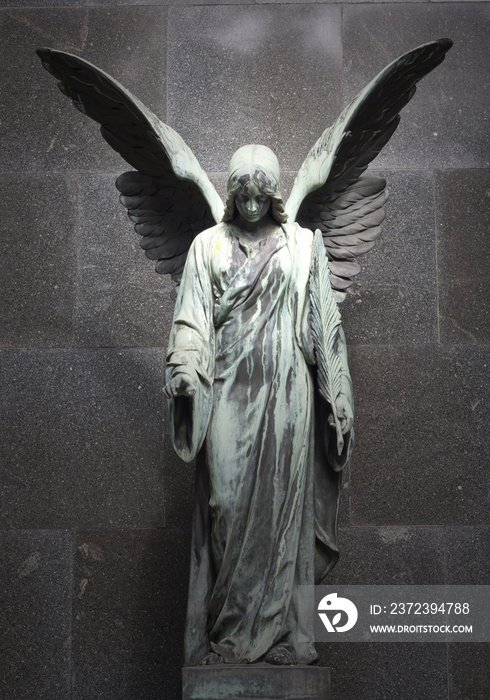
(267, 482)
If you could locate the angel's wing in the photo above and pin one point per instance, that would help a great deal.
(170, 199)
(329, 192)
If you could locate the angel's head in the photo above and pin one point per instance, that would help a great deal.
(254, 167)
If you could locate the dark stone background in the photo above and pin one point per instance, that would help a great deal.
(95, 510)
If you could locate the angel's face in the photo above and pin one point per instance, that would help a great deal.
(252, 203)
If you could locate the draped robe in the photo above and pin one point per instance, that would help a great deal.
(268, 477)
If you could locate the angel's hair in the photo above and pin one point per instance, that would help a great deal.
(257, 164)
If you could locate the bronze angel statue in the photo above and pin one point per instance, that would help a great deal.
(258, 383)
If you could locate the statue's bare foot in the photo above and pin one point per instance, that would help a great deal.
(211, 658)
(281, 655)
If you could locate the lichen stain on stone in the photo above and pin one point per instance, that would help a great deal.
(391, 535)
(29, 565)
(91, 551)
(83, 586)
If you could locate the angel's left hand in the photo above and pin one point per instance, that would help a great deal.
(345, 414)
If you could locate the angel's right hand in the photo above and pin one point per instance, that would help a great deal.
(181, 385)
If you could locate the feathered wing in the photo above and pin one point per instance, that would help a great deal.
(325, 325)
(329, 192)
(170, 198)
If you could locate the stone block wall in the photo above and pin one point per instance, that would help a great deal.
(95, 510)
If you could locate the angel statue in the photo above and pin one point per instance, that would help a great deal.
(258, 383)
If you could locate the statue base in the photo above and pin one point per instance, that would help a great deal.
(255, 682)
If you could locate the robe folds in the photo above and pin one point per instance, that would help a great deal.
(267, 478)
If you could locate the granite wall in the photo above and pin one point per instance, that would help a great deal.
(95, 510)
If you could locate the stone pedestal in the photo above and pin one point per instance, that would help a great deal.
(255, 682)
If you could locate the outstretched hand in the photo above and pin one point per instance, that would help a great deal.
(344, 414)
(180, 385)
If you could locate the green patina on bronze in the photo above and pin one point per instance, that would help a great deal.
(257, 380)
(241, 337)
